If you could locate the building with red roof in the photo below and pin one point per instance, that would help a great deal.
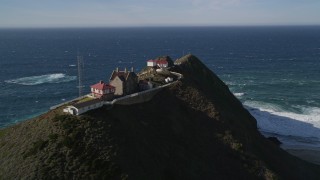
(151, 63)
(103, 90)
(161, 63)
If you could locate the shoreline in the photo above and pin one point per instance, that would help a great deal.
(308, 154)
(22, 119)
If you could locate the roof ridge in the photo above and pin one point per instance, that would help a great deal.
(111, 75)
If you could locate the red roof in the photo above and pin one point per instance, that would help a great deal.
(102, 86)
(162, 61)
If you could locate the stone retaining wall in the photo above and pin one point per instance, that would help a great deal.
(137, 98)
(134, 98)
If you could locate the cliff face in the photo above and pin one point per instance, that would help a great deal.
(195, 129)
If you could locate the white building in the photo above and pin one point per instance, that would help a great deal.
(168, 79)
(161, 63)
(102, 90)
(80, 108)
(152, 63)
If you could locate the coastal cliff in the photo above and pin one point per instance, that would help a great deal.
(194, 129)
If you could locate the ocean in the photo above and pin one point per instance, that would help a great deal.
(274, 71)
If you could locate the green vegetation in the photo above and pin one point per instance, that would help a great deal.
(71, 126)
(67, 121)
(2, 132)
(85, 99)
(194, 129)
(36, 147)
(53, 137)
(229, 140)
(68, 142)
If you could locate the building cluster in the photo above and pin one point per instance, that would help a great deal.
(126, 82)
(161, 63)
(121, 83)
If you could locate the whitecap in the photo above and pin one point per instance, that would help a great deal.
(272, 118)
(310, 101)
(238, 94)
(47, 78)
(72, 65)
(229, 83)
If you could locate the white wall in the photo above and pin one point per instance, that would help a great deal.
(151, 64)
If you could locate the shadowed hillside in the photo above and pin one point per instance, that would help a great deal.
(194, 129)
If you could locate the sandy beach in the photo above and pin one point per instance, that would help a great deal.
(311, 155)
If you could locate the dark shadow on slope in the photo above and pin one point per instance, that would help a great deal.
(165, 138)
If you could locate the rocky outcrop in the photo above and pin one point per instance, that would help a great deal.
(194, 129)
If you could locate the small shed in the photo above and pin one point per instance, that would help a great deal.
(80, 108)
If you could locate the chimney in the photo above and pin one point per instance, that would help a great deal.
(125, 69)
(117, 69)
(101, 82)
(132, 70)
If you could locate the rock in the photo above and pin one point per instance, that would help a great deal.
(275, 140)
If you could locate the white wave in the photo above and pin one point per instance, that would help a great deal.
(293, 129)
(72, 65)
(238, 94)
(274, 119)
(229, 83)
(47, 78)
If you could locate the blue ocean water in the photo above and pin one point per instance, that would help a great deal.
(274, 71)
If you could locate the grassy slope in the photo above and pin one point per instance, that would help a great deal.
(194, 130)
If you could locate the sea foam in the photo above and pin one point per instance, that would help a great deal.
(273, 119)
(238, 94)
(47, 78)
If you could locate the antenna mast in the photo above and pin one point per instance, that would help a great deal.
(80, 69)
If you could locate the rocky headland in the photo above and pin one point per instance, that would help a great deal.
(194, 129)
